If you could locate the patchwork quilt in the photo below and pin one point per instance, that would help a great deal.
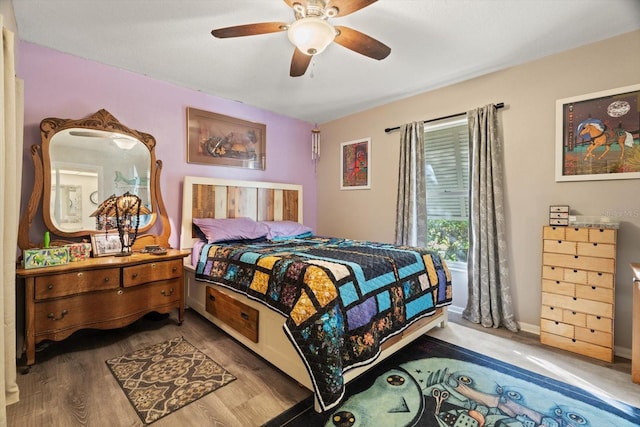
(342, 298)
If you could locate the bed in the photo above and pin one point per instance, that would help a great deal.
(321, 309)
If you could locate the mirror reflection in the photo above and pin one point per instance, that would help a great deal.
(88, 166)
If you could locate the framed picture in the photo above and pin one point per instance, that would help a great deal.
(215, 139)
(104, 244)
(597, 135)
(355, 158)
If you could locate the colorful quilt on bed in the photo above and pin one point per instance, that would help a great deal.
(342, 298)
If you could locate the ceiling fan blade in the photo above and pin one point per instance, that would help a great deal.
(299, 63)
(361, 43)
(345, 7)
(250, 29)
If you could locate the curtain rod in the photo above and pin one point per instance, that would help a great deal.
(387, 130)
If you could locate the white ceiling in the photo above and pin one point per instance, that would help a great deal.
(433, 43)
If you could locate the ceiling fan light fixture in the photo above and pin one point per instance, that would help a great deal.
(311, 35)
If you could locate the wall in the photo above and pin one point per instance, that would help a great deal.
(60, 85)
(529, 92)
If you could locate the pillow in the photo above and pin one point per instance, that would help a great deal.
(284, 229)
(226, 229)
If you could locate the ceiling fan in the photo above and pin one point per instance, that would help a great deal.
(311, 32)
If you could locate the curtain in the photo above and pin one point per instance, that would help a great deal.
(411, 208)
(11, 170)
(489, 300)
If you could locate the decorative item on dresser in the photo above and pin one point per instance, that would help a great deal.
(578, 279)
(635, 353)
(104, 292)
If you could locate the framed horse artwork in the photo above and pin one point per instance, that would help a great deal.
(598, 135)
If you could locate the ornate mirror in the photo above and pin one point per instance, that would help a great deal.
(82, 163)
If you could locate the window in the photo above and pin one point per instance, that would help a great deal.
(447, 170)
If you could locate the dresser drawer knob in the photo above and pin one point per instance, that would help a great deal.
(212, 298)
(175, 269)
(134, 275)
(163, 292)
(106, 279)
(120, 292)
(245, 316)
(80, 274)
(153, 265)
(50, 287)
(53, 316)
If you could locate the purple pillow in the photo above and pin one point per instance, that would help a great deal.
(283, 229)
(225, 229)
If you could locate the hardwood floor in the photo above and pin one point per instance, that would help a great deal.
(70, 384)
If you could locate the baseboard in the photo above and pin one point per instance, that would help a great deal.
(623, 352)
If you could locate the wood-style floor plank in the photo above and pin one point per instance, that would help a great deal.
(71, 385)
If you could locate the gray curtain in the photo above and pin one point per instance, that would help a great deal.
(489, 300)
(411, 208)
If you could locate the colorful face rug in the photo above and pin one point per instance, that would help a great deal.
(435, 383)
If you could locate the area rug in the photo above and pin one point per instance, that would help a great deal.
(165, 377)
(435, 383)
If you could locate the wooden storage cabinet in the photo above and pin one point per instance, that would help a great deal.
(578, 289)
(101, 293)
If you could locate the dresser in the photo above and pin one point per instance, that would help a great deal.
(578, 289)
(100, 293)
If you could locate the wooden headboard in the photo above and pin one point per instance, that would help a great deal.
(204, 197)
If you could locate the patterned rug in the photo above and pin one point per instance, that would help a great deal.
(435, 383)
(164, 377)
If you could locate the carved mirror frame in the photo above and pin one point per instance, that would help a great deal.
(101, 121)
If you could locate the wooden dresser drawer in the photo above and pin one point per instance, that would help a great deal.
(557, 328)
(59, 285)
(237, 315)
(599, 323)
(577, 234)
(600, 279)
(553, 233)
(603, 250)
(54, 317)
(594, 336)
(552, 273)
(558, 287)
(560, 247)
(607, 265)
(595, 293)
(579, 305)
(602, 235)
(151, 272)
(575, 346)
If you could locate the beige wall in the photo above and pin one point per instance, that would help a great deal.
(529, 92)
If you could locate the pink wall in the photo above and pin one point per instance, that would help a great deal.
(61, 85)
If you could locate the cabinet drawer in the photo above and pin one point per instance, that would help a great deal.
(574, 318)
(575, 346)
(554, 233)
(76, 282)
(602, 235)
(580, 262)
(577, 234)
(575, 276)
(603, 250)
(604, 280)
(594, 336)
(234, 313)
(579, 305)
(551, 313)
(552, 273)
(92, 309)
(600, 323)
(560, 247)
(558, 287)
(557, 328)
(151, 272)
(595, 293)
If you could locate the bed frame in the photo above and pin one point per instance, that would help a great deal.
(264, 201)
